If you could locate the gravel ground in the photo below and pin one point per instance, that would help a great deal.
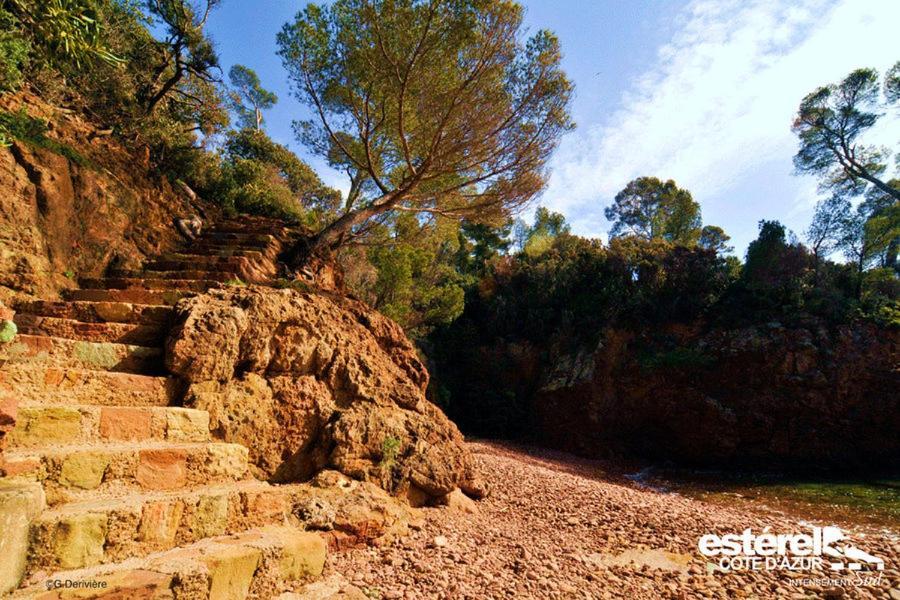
(556, 526)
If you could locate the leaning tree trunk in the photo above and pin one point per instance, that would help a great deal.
(333, 236)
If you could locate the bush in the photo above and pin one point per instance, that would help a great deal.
(254, 187)
(14, 50)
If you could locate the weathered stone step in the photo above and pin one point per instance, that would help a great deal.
(229, 237)
(67, 385)
(269, 253)
(195, 274)
(214, 258)
(75, 471)
(244, 268)
(42, 424)
(132, 296)
(121, 333)
(256, 228)
(249, 243)
(101, 356)
(124, 283)
(212, 263)
(257, 564)
(100, 312)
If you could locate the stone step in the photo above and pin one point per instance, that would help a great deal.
(121, 333)
(132, 296)
(124, 283)
(73, 472)
(100, 312)
(100, 356)
(49, 384)
(42, 424)
(252, 228)
(244, 268)
(211, 263)
(269, 253)
(213, 258)
(230, 237)
(207, 275)
(249, 243)
(256, 564)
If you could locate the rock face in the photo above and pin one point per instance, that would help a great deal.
(310, 381)
(769, 395)
(61, 218)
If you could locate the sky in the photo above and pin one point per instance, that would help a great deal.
(699, 91)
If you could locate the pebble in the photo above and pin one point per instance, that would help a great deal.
(551, 529)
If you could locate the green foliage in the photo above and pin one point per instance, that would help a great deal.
(20, 126)
(652, 209)
(434, 107)
(14, 51)
(892, 84)
(881, 296)
(415, 278)
(292, 284)
(8, 331)
(713, 237)
(64, 31)
(536, 239)
(255, 175)
(480, 243)
(390, 448)
(829, 124)
(776, 271)
(248, 98)
(561, 301)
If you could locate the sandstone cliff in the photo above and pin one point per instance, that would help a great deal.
(763, 396)
(61, 218)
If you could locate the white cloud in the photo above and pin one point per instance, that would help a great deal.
(716, 109)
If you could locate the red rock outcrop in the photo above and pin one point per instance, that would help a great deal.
(61, 218)
(310, 381)
(769, 395)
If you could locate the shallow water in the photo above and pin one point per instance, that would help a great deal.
(873, 501)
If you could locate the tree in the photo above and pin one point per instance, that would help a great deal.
(867, 233)
(775, 267)
(829, 123)
(263, 177)
(827, 228)
(185, 54)
(651, 209)
(248, 98)
(547, 227)
(478, 244)
(892, 84)
(417, 283)
(438, 106)
(713, 237)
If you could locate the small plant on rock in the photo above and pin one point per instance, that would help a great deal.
(390, 447)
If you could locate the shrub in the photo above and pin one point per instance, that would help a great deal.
(14, 51)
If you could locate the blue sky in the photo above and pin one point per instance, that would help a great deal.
(699, 91)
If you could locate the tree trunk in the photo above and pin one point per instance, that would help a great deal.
(863, 173)
(334, 235)
(165, 89)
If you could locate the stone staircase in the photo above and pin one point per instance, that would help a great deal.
(109, 483)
